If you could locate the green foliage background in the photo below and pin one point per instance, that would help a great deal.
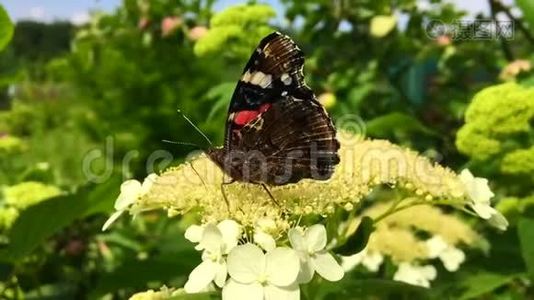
(115, 84)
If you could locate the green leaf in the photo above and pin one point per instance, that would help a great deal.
(38, 222)
(352, 288)
(6, 28)
(394, 122)
(5, 271)
(357, 242)
(482, 283)
(56, 291)
(137, 273)
(527, 6)
(525, 229)
(221, 93)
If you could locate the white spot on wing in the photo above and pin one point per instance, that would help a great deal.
(257, 78)
(286, 79)
(246, 77)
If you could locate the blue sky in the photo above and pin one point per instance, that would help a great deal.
(77, 11)
(48, 10)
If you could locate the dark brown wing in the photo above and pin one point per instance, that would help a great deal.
(273, 71)
(297, 139)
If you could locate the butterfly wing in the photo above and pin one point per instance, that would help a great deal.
(273, 71)
(296, 139)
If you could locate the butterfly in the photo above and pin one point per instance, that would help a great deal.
(277, 132)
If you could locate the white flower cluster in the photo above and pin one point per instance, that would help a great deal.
(421, 275)
(410, 272)
(249, 263)
(257, 268)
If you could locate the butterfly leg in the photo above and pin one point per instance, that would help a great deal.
(269, 193)
(223, 192)
(196, 172)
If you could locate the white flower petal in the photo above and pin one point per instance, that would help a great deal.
(220, 274)
(147, 183)
(246, 263)
(452, 258)
(477, 189)
(264, 240)
(130, 190)
(200, 277)
(234, 290)
(480, 191)
(466, 177)
(306, 271)
(348, 263)
(266, 224)
(435, 246)
(498, 220)
(193, 233)
(372, 261)
(211, 239)
(282, 266)
(415, 275)
(485, 211)
(231, 231)
(112, 219)
(296, 238)
(315, 237)
(291, 292)
(326, 266)
(429, 272)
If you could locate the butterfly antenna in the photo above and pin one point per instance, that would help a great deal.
(194, 126)
(181, 143)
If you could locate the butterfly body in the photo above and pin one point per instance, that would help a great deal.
(276, 132)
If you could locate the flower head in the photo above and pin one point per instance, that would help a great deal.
(495, 119)
(364, 165)
(310, 245)
(258, 276)
(511, 70)
(226, 30)
(26, 194)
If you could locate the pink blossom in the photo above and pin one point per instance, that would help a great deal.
(443, 40)
(169, 25)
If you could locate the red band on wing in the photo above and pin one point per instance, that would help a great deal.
(245, 116)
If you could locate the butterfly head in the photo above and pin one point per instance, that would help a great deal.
(216, 155)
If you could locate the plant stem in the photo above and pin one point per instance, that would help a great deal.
(494, 4)
(396, 208)
(501, 7)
